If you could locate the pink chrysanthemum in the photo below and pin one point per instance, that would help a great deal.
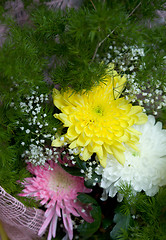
(58, 191)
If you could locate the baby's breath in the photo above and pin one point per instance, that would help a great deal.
(129, 60)
(35, 127)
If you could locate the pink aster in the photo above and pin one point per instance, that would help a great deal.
(58, 191)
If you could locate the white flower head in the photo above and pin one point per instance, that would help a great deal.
(144, 170)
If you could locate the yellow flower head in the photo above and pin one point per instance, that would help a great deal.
(99, 121)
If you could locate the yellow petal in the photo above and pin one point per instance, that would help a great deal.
(119, 146)
(83, 140)
(71, 133)
(99, 150)
(85, 154)
(88, 131)
(120, 84)
(73, 144)
(119, 155)
(57, 142)
(78, 128)
(133, 146)
(58, 100)
(108, 141)
(68, 109)
(133, 131)
(125, 138)
(135, 110)
(102, 157)
(134, 139)
(143, 118)
(124, 124)
(119, 133)
(64, 118)
(107, 148)
(132, 121)
(98, 140)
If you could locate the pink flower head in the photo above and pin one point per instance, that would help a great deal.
(58, 191)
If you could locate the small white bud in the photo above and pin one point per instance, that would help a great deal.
(27, 131)
(62, 139)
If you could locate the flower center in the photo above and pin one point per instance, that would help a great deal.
(135, 154)
(98, 110)
(60, 180)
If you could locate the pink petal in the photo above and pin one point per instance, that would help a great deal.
(72, 210)
(49, 236)
(70, 229)
(58, 212)
(67, 223)
(46, 223)
(44, 201)
(49, 211)
(85, 215)
(54, 225)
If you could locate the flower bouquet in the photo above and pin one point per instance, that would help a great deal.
(82, 130)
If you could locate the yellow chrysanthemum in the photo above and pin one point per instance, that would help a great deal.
(99, 121)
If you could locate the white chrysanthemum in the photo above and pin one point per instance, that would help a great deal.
(144, 170)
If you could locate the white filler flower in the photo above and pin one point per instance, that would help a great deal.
(144, 170)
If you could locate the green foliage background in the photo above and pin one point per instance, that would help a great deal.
(64, 46)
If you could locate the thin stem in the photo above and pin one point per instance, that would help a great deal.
(100, 43)
(93, 4)
(133, 10)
